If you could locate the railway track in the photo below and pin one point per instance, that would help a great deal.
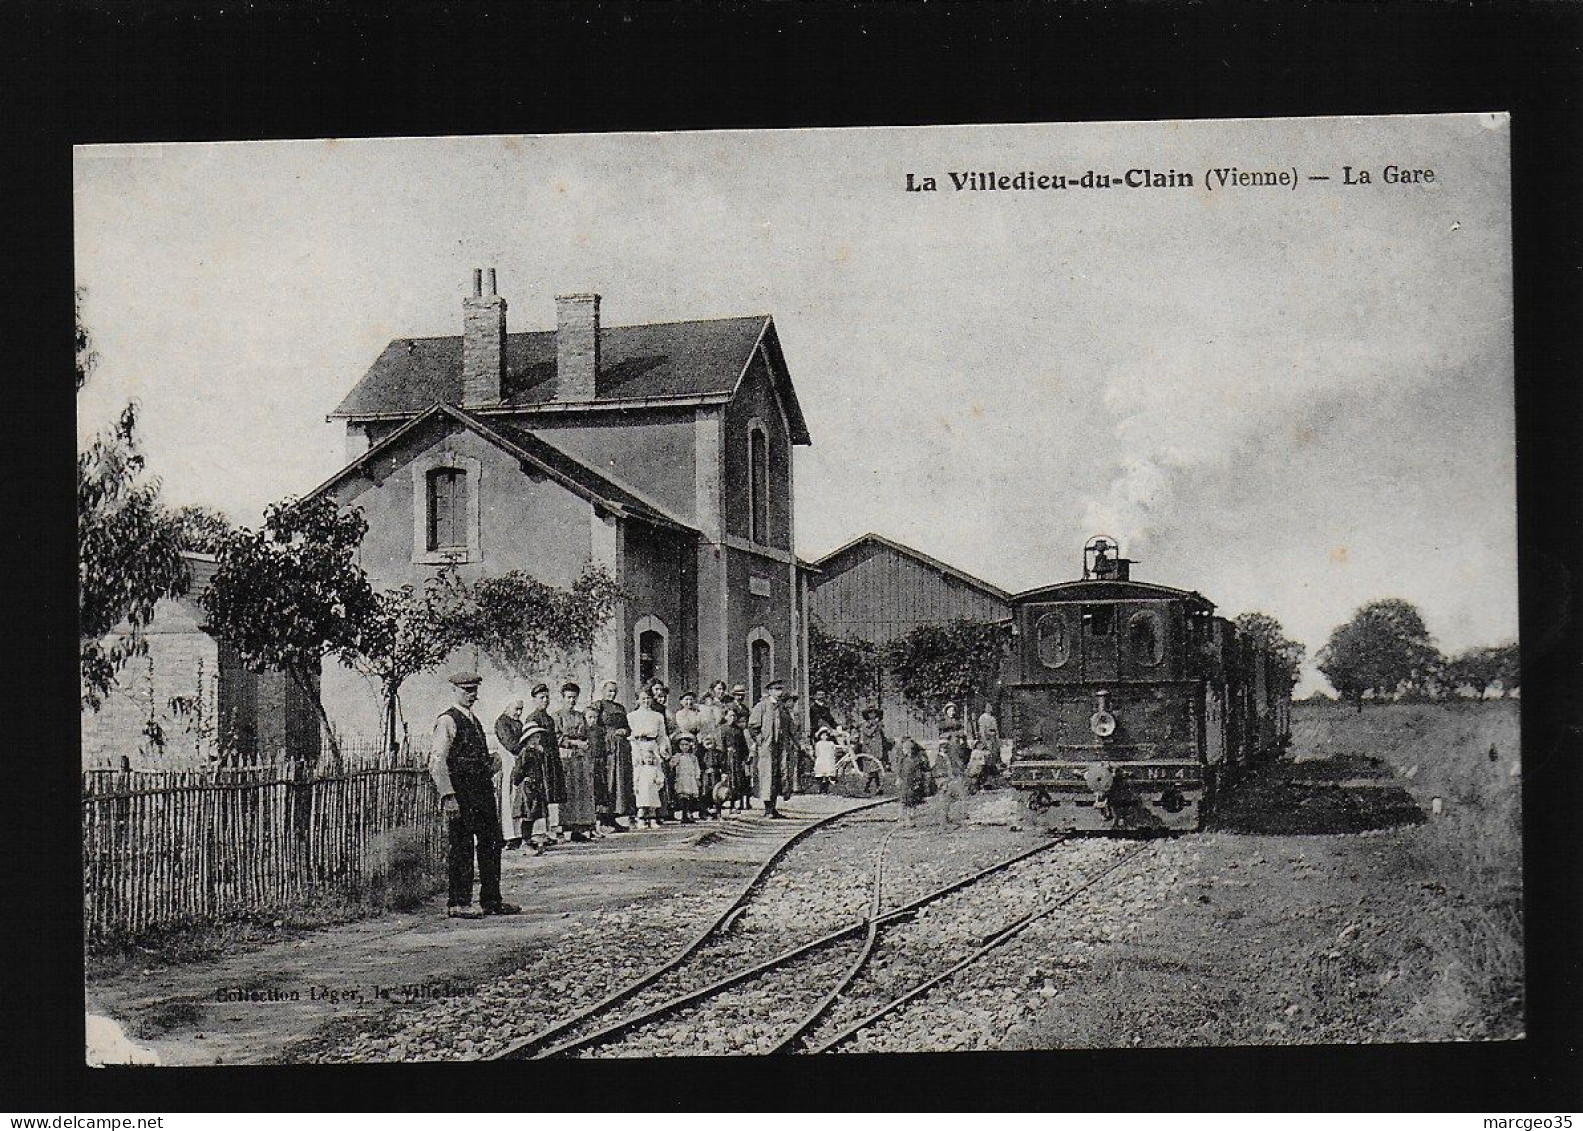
(800, 1041)
(546, 1039)
(796, 976)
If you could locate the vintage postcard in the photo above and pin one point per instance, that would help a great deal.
(798, 592)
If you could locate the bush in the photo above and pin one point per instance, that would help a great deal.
(401, 873)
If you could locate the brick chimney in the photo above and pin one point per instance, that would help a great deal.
(576, 347)
(483, 343)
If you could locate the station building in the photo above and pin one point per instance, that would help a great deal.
(664, 452)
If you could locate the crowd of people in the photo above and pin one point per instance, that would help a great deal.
(591, 771)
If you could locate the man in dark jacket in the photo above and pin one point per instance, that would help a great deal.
(463, 769)
(820, 714)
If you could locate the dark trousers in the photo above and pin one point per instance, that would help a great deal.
(467, 837)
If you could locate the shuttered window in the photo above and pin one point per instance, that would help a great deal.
(447, 509)
(759, 486)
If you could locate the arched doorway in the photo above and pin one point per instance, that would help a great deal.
(761, 662)
(650, 651)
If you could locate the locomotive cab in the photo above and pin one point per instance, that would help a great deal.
(1118, 701)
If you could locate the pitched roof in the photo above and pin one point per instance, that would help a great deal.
(662, 362)
(567, 470)
(951, 571)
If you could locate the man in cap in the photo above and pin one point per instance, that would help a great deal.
(770, 727)
(819, 714)
(463, 769)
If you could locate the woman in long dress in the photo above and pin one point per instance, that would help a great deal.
(610, 738)
(711, 754)
(578, 815)
(508, 732)
(650, 749)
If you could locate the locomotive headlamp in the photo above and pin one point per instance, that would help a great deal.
(1101, 722)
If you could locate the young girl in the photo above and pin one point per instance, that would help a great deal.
(825, 755)
(688, 777)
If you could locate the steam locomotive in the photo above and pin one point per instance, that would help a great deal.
(1131, 705)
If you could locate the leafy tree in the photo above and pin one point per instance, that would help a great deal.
(1477, 668)
(1508, 667)
(939, 663)
(128, 555)
(1383, 648)
(521, 623)
(407, 633)
(1272, 637)
(291, 593)
(202, 529)
(844, 668)
(413, 629)
(87, 358)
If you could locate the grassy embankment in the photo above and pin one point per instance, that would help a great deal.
(1472, 849)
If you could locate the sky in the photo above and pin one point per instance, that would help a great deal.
(1292, 398)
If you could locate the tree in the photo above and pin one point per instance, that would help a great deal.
(87, 359)
(1383, 648)
(1508, 667)
(1477, 668)
(844, 668)
(291, 593)
(407, 632)
(522, 623)
(939, 663)
(128, 555)
(1269, 634)
(202, 529)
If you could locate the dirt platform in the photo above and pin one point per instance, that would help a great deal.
(299, 985)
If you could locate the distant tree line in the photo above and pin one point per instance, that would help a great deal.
(1385, 652)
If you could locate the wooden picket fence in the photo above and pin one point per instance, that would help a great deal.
(166, 849)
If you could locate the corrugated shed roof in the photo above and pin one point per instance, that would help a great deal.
(824, 564)
(660, 360)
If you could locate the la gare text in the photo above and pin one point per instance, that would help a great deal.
(1212, 180)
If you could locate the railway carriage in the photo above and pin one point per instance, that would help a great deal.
(1131, 705)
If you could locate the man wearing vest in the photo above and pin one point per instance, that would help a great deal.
(464, 769)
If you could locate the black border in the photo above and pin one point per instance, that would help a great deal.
(187, 71)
